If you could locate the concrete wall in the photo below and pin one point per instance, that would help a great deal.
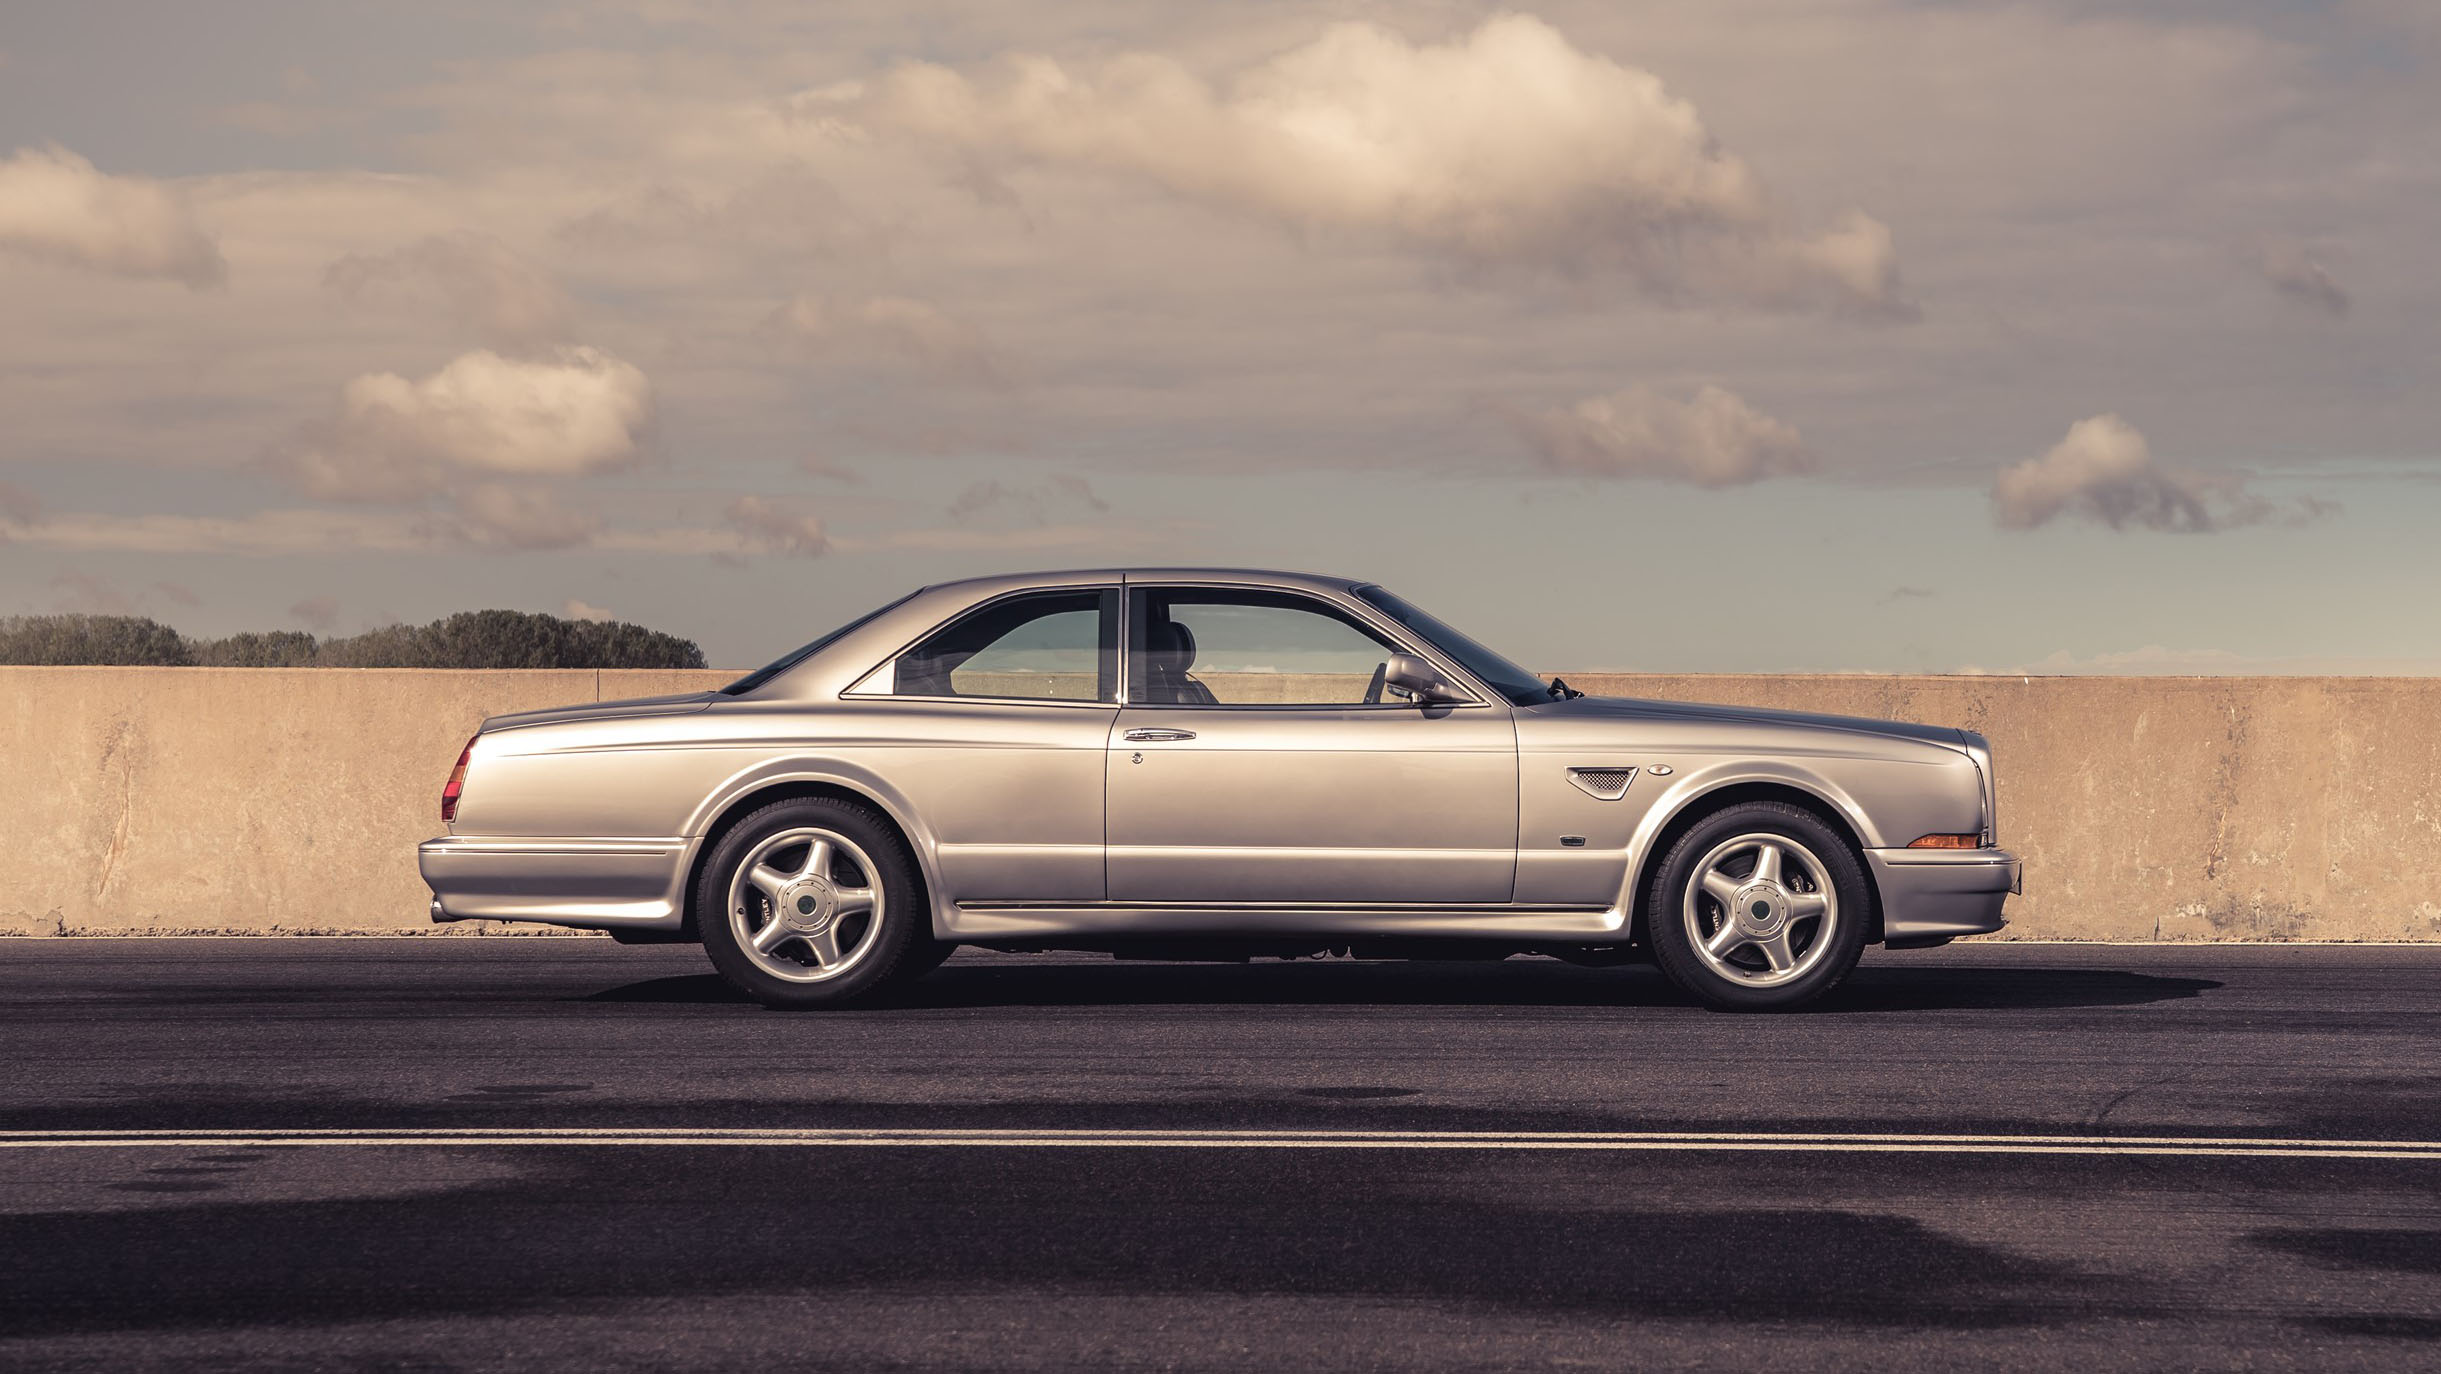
(244, 799)
(270, 800)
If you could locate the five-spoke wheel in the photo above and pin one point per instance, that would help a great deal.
(810, 902)
(1758, 906)
(804, 904)
(1760, 909)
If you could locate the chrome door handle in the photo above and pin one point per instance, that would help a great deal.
(1149, 736)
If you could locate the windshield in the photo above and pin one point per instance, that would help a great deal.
(796, 656)
(1519, 686)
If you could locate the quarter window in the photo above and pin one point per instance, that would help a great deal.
(1051, 646)
(1199, 647)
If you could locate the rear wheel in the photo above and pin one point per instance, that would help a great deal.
(809, 903)
(1759, 907)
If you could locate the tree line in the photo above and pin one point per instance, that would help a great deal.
(469, 639)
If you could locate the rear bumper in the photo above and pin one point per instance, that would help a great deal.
(1930, 895)
(593, 884)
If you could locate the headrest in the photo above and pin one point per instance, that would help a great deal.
(1175, 641)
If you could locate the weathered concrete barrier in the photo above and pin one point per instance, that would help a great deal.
(284, 801)
(272, 800)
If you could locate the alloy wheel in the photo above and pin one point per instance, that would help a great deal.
(1761, 910)
(806, 905)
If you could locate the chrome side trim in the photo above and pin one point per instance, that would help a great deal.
(1254, 853)
(1416, 907)
(1339, 597)
(1110, 582)
(1528, 925)
(556, 845)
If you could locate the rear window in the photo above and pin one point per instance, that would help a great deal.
(796, 656)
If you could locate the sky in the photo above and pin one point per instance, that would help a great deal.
(1751, 336)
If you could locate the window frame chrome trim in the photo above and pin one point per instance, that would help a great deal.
(1118, 691)
(1396, 635)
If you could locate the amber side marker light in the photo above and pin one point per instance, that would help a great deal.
(457, 782)
(1946, 842)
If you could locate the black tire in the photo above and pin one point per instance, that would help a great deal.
(922, 957)
(883, 941)
(1816, 857)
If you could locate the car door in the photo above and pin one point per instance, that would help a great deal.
(994, 726)
(1259, 759)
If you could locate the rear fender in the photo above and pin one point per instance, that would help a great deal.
(826, 772)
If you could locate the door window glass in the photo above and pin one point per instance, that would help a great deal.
(1195, 647)
(1053, 646)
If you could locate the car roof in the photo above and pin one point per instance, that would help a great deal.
(839, 664)
(1009, 582)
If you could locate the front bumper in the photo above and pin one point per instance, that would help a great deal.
(593, 884)
(1933, 895)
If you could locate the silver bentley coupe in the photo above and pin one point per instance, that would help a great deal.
(1213, 764)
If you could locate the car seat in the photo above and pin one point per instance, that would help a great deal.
(1166, 660)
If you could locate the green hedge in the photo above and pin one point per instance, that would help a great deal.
(469, 639)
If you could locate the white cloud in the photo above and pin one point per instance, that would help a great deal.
(575, 609)
(578, 411)
(283, 532)
(1164, 321)
(2104, 471)
(1712, 439)
(1508, 145)
(918, 332)
(486, 285)
(269, 532)
(783, 212)
(520, 517)
(57, 207)
(510, 519)
(769, 526)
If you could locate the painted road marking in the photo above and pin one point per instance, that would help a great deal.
(494, 1137)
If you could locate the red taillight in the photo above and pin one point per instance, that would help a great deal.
(1946, 842)
(457, 782)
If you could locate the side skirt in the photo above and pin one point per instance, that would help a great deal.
(1023, 922)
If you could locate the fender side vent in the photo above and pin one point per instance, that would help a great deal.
(1606, 784)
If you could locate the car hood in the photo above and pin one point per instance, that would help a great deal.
(676, 705)
(1633, 708)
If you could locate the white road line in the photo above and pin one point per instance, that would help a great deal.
(489, 1137)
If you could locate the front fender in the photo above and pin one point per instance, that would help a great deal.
(1687, 791)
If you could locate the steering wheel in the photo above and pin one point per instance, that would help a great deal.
(1373, 689)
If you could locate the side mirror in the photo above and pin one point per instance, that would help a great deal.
(1419, 681)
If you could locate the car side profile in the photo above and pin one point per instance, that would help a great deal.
(1213, 764)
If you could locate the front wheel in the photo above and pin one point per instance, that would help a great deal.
(809, 903)
(1759, 907)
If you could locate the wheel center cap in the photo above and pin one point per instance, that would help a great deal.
(1761, 910)
(806, 907)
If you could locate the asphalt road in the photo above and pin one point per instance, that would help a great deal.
(565, 1225)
